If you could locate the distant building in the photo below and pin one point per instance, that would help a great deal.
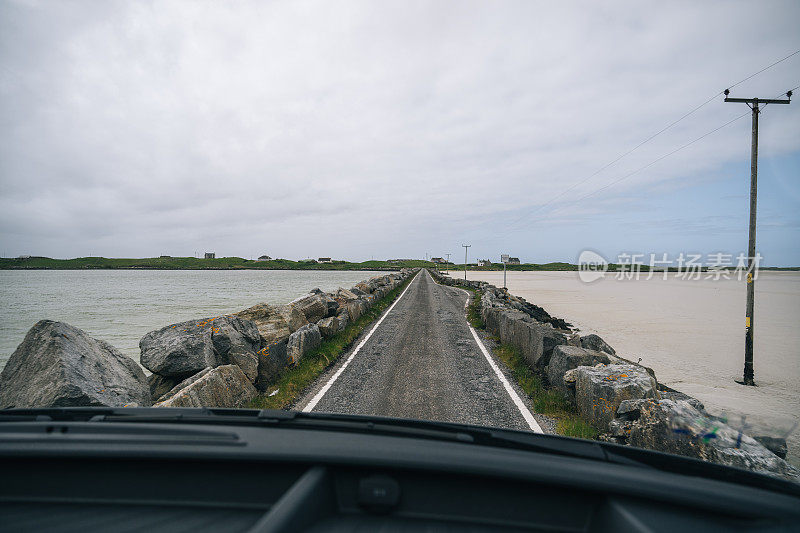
(24, 257)
(484, 262)
(324, 260)
(438, 260)
(211, 255)
(264, 258)
(165, 257)
(513, 261)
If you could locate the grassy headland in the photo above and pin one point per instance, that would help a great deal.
(194, 263)
(238, 263)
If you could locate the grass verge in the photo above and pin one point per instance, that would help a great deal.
(549, 402)
(295, 380)
(546, 401)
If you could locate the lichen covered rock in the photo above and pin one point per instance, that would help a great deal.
(59, 365)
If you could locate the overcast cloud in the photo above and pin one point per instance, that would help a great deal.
(391, 129)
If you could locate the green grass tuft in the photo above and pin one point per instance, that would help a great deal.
(550, 402)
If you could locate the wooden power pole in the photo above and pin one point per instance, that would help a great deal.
(752, 103)
(466, 247)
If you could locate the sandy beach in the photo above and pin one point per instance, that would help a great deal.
(692, 333)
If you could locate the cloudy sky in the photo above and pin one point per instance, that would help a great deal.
(393, 129)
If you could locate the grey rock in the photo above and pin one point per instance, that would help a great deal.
(223, 386)
(302, 341)
(535, 341)
(358, 292)
(343, 318)
(181, 350)
(681, 397)
(362, 287)
(566, 358)
(776, 445)
(574, 340)
(313, 306)
(599, 391)
(272, 361)
(59, 365)
(272, 325)
(238, 342)
(344, 294)
(356, 308)
(333, 305)
(294, 318)
(679, 428)
(328, 327)
(595, 342)
(160, 385)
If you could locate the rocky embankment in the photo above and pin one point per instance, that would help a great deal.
(622, 399)
(211, 362)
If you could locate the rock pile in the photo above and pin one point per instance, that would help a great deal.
(620, 398)
(212, 362)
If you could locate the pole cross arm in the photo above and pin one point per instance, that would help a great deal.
(756, 101)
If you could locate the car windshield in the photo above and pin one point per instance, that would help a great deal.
(572, 219)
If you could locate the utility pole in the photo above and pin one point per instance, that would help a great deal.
(749, 324)
(466, 247)
(504, 260)
(447, 265)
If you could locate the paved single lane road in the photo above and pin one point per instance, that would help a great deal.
(422, 362)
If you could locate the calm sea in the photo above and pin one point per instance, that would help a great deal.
(120, 306)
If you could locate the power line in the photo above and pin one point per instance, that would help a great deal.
(647, 140)
(661, 158)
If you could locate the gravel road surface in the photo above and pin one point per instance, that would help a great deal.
(421, 362)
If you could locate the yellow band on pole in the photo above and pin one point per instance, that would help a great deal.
(747, 321)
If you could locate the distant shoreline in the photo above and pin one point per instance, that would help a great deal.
(238, 263)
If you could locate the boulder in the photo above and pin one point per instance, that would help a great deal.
(600, 390)
(328, 327)
(59, 365)
(294, 318)
(358, 292)
(595, 342)
(302, 341)
(566, 358)
(271, 362)
(574, 340)
(160, 385)
(679, 396)
(535, 341)
(343, 318)
(238, 342)
(181, 350)
(272, 326)
(356, 308)
(333, 305)
(677, 427)
(363, 287)
(313, 306)
(776, 445)
(223, 386)
(344, 294)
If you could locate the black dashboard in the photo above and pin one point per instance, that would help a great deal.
(88, 476)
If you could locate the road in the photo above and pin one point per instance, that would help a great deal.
(421, 361)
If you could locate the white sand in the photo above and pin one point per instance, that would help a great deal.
(692, 334)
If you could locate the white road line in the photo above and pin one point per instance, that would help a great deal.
(315, 400)
(524, 411)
